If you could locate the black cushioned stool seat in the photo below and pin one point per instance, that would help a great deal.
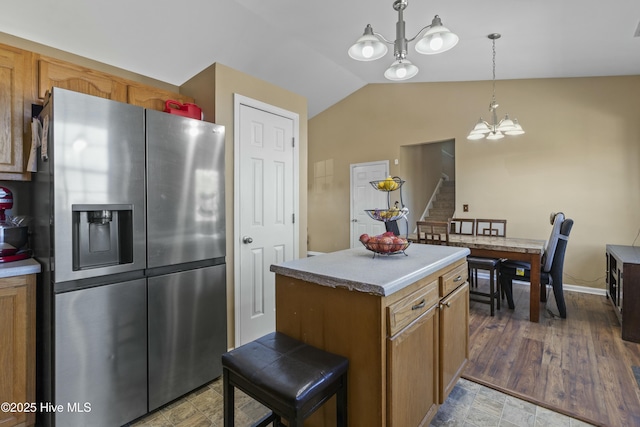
(291, 378)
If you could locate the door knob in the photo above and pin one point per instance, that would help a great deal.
(247, 239)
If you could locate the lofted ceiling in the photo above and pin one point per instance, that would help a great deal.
(301, 45)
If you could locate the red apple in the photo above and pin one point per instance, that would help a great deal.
(364, 238)
(385, 244)
(373, 243)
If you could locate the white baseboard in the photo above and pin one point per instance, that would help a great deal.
(565, 287)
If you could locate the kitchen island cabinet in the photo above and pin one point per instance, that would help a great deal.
(402, 321)
(17, 341)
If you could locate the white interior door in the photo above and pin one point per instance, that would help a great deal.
(364, 196)
(266, 233)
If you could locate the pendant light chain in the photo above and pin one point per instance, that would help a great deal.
(493, 99)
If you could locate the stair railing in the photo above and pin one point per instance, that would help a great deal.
(430, 203)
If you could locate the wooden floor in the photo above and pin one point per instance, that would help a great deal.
(579, 366)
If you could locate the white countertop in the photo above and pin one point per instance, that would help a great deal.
(358, 270)
(19, 268)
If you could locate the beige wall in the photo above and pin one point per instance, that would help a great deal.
(580, 155)
(215, 86)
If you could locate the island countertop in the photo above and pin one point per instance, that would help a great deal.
(358, 270)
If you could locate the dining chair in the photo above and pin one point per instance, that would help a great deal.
(551, 266)
(491, 227)
(487, 227)
(463, 226)
(433, 232)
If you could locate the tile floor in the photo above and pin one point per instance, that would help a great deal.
(468, 405)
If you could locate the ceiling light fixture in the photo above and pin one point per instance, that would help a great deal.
(495, 129)
(371, 45)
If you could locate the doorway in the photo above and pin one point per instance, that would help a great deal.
(266, 205)
(423, 166)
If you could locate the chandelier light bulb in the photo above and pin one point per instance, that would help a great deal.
(436, 42)
(495, 135)
(401, 69)
(367, 50)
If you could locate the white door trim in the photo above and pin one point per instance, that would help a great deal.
(239, 100)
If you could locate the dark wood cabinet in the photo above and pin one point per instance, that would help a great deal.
(623, 288)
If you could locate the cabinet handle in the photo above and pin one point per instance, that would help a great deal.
(457, 279)
(442, 305)
(420, 305)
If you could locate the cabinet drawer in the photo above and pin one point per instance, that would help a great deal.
(452, 279)
(411, 307)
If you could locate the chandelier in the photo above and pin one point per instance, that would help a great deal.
(495, 129)
(371, 45)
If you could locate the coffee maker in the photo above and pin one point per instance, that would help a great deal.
(13, 234)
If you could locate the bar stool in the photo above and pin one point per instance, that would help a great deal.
(289, 377)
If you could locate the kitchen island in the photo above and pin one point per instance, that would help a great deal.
(401, 320)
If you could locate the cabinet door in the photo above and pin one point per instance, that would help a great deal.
(152, 97)
(412, 372)
(454, 338)
(53, 72)
(16, 349)
(13, 69)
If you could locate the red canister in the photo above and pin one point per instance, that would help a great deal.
(186, 109)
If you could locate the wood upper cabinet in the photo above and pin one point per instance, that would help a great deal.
(56, 73)
(15, 70)
(152, 97)
(17, 347)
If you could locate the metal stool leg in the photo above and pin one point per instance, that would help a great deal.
(227, 391)
(341, 402)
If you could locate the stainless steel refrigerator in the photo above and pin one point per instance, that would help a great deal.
(129, 227)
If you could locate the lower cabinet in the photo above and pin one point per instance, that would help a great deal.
(454, 338)
(17, 348)
(413, 372)
(406, 350)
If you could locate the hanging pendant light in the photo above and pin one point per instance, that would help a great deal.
(495, 129)
(371, 46)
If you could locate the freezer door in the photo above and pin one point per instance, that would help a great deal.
(96, 154)
(187, 332)
(185, 190)
(101, 355)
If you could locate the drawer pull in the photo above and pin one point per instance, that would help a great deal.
(419, 305)
(457, 279)
(442, 305)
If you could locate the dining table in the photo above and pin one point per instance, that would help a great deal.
(513, 248)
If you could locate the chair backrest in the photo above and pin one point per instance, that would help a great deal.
(491, 227)
(550, 247)
(433, 232)
(466, 226)
(558, 257)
